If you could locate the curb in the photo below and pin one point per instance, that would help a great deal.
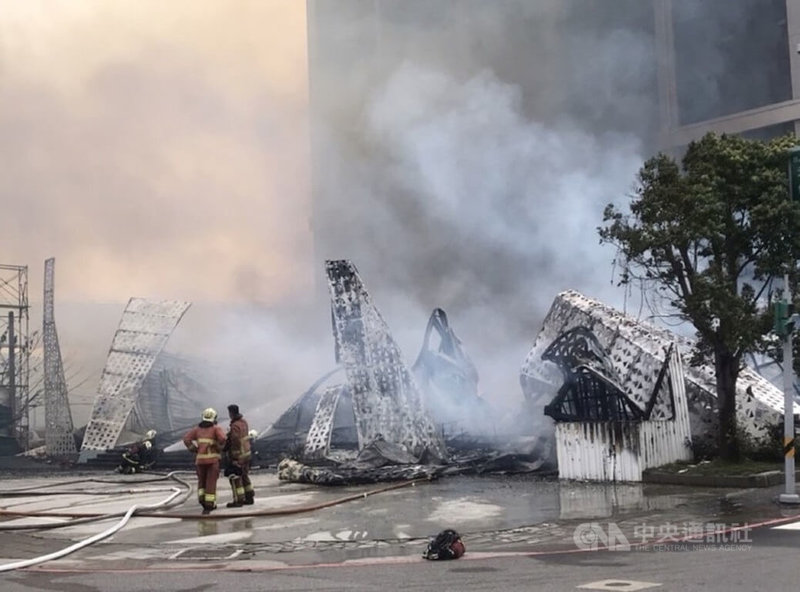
(766, 479)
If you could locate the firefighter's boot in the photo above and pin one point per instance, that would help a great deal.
(236, 486)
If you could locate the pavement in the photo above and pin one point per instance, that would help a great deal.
(293, 525)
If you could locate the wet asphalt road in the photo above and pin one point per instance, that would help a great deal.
(769, 563)
(511, 526)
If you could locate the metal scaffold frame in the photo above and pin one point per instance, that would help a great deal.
(14, 354)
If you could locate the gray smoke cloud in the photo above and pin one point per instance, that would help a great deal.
(467, 165)
(462, 153)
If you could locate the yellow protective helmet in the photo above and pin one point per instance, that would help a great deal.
(209, 414)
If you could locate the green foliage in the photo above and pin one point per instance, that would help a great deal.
(709, 236)
(768, 448)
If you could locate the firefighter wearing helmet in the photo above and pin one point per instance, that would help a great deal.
(140, 456)
(206, 441)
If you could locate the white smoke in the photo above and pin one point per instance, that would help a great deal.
(498, 213)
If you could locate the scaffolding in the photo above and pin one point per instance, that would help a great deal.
(14, 358)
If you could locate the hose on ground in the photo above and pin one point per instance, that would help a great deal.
(225, 515)
(87, 518)
(93, 539)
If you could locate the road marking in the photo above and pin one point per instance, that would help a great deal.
(790, 526)
(618, 585)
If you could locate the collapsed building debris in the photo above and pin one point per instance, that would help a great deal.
(449, 380)
(379, 402)
(444, 373)
(617, 362)
(386, 401)
(602, 432)
(171, 393)
(143, 331)
(289, 433)
(386, 422)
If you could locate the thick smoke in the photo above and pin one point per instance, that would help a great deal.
(159, 150)
(462, 154)
(473, 177)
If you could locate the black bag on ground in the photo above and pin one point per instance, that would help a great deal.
(445, 545)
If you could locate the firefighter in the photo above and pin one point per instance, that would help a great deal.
(255, 458)
(206, 441)
(139, 457)
(238, 465)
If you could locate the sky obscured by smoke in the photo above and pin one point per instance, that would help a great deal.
(159, 150)
(462, 156)
(156, 149)
(464, 160)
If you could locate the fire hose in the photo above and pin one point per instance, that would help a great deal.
(221, 516)
(135, 509)
(147, 511)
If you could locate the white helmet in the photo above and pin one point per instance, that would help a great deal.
(209, 414)
(149, 434)
(147, 445)
(253, 434)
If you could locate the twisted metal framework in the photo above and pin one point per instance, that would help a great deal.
(637, 351)
(449, 380)
(592, 389)
(142, 333)
(386, 401)
(58, 437)
(318, 440)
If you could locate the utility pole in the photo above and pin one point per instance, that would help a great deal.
(785, 321)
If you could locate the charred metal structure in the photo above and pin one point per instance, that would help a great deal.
(321, 423)
(143, 331)
(592, 389)
(619, 409)
(170, 395)
(449, 380)
(627, 357)
(386, 402)
(379, 400)
(302, 433)
(58, 438)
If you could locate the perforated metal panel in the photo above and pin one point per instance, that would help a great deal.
(142, 333)
(318, 441)
(58, 437)
(386, 401)
(637, 351)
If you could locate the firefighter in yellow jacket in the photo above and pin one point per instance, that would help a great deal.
(238, 463)
(206, 440)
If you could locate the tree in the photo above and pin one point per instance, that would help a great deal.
(709, 236)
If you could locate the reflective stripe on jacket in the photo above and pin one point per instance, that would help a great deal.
(209, 439)
(239, 440)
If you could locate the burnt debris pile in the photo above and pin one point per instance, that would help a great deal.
(373, 418)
